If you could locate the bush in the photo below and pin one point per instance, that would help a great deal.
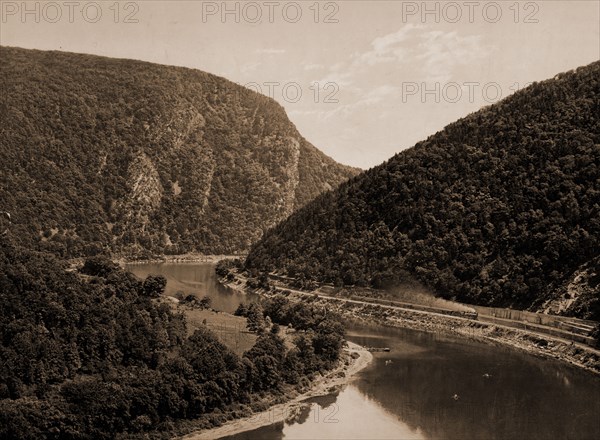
(205, 302)
(100, 266)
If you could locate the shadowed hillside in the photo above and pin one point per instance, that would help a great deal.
(97, 354)
(107, 154)
(500, 208)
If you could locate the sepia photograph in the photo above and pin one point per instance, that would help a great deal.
(302, 220)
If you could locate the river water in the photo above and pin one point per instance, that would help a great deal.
(194, 278)
(429, 386)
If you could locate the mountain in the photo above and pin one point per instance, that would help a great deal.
(500, 208)
(106, 154)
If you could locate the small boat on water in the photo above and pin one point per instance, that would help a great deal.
(375, 349)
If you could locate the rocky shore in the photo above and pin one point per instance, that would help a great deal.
(538, 345)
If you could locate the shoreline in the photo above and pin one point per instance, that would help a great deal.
(125, 260)
(335, 379)
(585, 359)
(544, 346)
(183, 258)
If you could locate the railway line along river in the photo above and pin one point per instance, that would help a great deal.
(429, 386)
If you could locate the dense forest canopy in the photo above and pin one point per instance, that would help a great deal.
(93, 354)
(124, 156)
(500, 208)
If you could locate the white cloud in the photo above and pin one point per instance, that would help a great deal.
(416, 50)
(393, 47)
(438, 53)
(390, 47)
(442, 52)
(371, 82)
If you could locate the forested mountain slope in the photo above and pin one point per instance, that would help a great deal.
(96, 354)
(500, 208)
(105, 154)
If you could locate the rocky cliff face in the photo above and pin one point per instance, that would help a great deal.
(129, 156)
(580, 294)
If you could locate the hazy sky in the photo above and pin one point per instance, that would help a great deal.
(389, 73)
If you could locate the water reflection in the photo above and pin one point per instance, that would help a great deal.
(438, 387)
(501, 393)
(347, 415)
(194, 278)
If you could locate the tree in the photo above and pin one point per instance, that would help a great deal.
(275, 329)
(268, 372)
(267, 354)
(242, 310)
(100, 266)
(255, 318)
(154, 285)
(306, 353)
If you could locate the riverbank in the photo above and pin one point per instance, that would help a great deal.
(544, 346)
(541, 346)
(534, 344)
(183, 258)
(357, 358)
(129, 260)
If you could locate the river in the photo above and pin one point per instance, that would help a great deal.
(429, 386)
(194, 278)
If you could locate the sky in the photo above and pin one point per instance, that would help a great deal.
(361, 80)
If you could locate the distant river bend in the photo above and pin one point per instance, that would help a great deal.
(428, 387)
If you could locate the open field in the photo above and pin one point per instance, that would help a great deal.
(231, 330)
